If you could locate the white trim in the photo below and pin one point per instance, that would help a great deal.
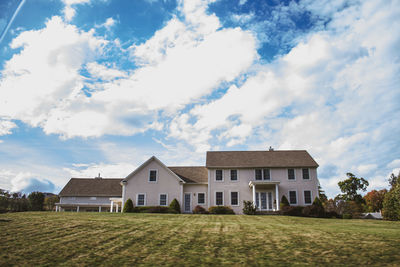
(215, 176)
(255, 174)
(150, 170)
(297, 197)
(230, 198)
(215, 198)
(309, 174)
(181, 200)
(191, 204)
(93, 198)
(166, 199)
(198, 198)
(237, 175)
(304, 197)
(294, 172)
(209, 190)
(137, 198)
(269, 171)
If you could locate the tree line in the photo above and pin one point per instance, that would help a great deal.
(35, 201)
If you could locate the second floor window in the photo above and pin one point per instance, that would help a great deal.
(258, 174)
(218, 175)
(234, 176)
(306, 174)
(153, 176)
(291, 174)
(262, 174)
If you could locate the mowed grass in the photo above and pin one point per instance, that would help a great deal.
(87, 239)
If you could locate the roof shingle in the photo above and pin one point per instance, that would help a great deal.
(192, 174)
(103, 187)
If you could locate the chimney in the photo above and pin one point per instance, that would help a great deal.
(270, 148)
(98, 177)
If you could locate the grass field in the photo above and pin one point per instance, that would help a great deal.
(49, 238)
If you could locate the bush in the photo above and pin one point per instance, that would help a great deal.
(313, 211)
(220, 210)
(347, 216)
(332, 214)
(249, 208)
(199, 210)
(317, 202)
(284, 202)
(391, 204)
(292, 210)
(36, 200)
(175, 206)
(153, 209)
(128, 207)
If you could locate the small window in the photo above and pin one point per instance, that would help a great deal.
(234, 176)
(291, 174)
(234, 198)
(93, 198)
(306, 174)
(153, 176)
(163, 199)
(266, 174)
(218, 175)
(258, 174)
(141, 199)
(219, 198)
(201, 198)
(292, 197)
(307, 197)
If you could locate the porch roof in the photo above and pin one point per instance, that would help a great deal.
(251, 183)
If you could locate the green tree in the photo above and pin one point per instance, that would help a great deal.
(391, 203)
(351, 186)
(36, 200)
(128, 207)
(174, 206)
(284, 202)
(321, 195)
(50, 202)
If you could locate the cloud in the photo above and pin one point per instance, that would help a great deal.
(394, 164)
(69, 9)
(118, 170)
(26, 182)
(6, 126)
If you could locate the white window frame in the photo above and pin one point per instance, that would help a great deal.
(294, 172)
(297, 197)
(237, 175)
(215, 198)
(205, 201)
(255, 174)
(137, 199)
(166, 199)
(309, 174)
(238, 198)
(150, 170)
(215, 176)
(304, 197)
(93, 198)
(263, 177)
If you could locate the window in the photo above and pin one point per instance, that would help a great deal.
(153, 176)
(306, 174)
(234, 176)
(93, 198)
(258, 174)
(234, 198)
(218, 175)
(292, 197)
(307, 197)
(266, 174)
(219, 198)
(163, 199)
(201, 198)
(291, 174)
(141, 200)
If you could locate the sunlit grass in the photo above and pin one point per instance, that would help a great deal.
(48, 239)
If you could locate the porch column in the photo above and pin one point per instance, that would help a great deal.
(277, 196)
(254, 195)
(123, 194)
(77, 209)
(116, 210)
(56, 208)
(99, 208)
(112, 206)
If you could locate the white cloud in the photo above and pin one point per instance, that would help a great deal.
(394, 164)
(6, 126)
(69, 9)
(117, 170)
(366, 168)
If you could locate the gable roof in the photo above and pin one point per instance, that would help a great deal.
(153, 158)
(253, 159)
(96, 187)
(192, 174)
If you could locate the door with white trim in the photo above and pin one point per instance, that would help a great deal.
(264, 200)
(187, 202)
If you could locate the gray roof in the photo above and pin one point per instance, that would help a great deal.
(254, 159)
(191, 174)
(96, 187)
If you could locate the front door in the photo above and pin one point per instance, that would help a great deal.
(187, 202)
(264, 200)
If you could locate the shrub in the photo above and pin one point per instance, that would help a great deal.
(332, 214)
(317, 202)
(220, 210)
(128, 207)
(284, 202)
(249, 208)
(391, 204)
(36, 200)
(347, 216)
(153, 209)
(199, 210)
(292, 210)
(314, 211)
(175, 206)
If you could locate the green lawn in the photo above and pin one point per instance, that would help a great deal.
(49, 238)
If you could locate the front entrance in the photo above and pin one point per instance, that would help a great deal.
(264, 200)
(187, 202)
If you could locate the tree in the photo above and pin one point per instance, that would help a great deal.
(393, 180)
(374, 200)
(284, 202)
(391, 203)
(351, 186)
(321, 195)
(128, 207)
(174, 206)
(50, 202)
(36, 200)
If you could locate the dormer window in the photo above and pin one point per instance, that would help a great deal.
(153, 176)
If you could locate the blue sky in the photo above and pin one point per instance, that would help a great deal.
(90, 87)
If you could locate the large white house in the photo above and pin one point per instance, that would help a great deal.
(227, 179)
